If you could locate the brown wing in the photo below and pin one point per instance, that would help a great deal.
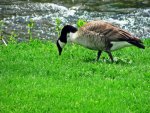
(109, 32)
(113, 33)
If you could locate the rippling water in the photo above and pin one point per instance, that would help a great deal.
(17, 14)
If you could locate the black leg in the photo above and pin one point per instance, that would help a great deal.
(110, 56)
(98, 54)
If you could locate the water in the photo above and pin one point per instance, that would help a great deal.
(17, 14)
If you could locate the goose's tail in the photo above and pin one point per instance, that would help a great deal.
(137, 42)
(131, 39)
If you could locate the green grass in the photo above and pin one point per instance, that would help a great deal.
(34, 79)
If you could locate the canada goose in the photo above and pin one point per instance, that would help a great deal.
(100, 36)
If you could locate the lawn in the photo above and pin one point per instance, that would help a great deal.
(35, 79)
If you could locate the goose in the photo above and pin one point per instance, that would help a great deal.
(99, 36)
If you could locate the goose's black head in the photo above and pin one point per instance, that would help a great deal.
(62, 40)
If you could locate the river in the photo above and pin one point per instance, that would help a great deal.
(130, 15)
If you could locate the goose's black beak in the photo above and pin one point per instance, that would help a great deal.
(59, 48)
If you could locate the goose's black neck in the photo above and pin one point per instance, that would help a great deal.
(66, 29)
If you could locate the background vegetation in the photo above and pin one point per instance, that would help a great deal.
(33, 78)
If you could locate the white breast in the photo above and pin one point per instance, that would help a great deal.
(93, 43)
(73, 37)
(118, 45)
(81, 40)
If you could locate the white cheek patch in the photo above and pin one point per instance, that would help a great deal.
(62, 44)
